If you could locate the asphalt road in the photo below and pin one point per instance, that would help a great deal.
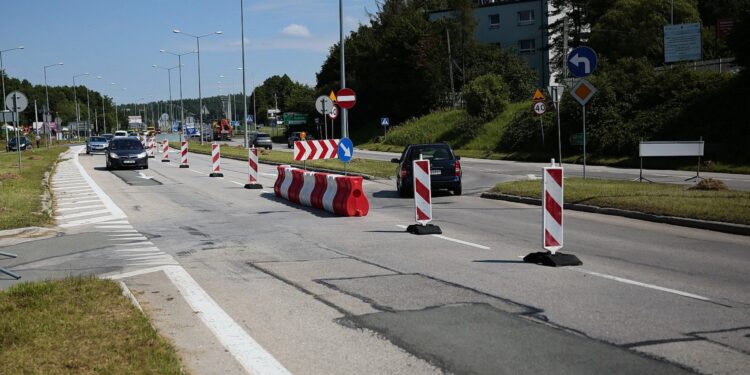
(483, 174)
(325, 294)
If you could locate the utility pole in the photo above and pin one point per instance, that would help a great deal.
(342, 58)
(450, 66)
(244, 93)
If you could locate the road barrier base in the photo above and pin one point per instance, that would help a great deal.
(165, 160)
(184, 166)
(553, 260)
(253, 186)
(420, 229)
(151, 156)
(216, 174)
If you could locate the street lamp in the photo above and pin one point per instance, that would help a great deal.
(198, 44)
(48, 112)
(169, 74)
(244, 93)
(78, 111)
(2, 74)
(104, 112)
(179, 69)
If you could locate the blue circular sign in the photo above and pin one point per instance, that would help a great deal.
(346, 149)
(581, 61)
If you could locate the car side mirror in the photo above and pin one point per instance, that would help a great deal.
(394, 160)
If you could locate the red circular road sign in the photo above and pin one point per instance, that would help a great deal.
(346, 98)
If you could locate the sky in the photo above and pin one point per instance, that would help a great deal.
(120, 41)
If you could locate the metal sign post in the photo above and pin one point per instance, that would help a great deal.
(582, 92)
(16, 101)
(556, 93)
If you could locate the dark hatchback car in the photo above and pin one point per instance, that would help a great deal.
(126, 153)
(15, 143)
(445, 168)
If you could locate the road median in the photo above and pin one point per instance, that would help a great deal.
(724, 210)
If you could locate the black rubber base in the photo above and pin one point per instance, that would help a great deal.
(420, 229)
(184, 166)
(253, 186)
(216, 175)
(165, 160)
(553, 260)
(151, 157)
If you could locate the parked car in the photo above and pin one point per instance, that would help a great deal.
(96, 144)
(445, 168)
(262, 140)
(15, 143)
(126, 152)
(121, 133)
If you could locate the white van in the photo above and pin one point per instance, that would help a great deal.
(121, 133)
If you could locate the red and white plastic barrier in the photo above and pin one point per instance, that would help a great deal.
(165, 151)
(151, 150)
(216, 161)
(314, 150)
(422, 191)
(552, 209)
(252, 169)
(341, 195)
(184, 155)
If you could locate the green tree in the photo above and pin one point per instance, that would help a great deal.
(486, 96)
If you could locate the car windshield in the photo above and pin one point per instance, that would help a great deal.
(432, 153)
(97, 139)
(15, 140)
(263, 135)
(126, 144)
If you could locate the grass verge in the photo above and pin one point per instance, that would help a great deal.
(78, 325)
(377, 168)
(660, 199)
(20, 193)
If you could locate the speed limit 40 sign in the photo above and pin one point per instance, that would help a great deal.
(539, 108)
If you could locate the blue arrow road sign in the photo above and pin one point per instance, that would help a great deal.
(346, 149)
(581, 61)
(384, 121)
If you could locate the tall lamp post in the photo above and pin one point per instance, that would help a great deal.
(179, 70)
(47, 113)
(244, 93)
(198, 44)
(78, 111)
(169, 75)
(2, 74)
(104, 112)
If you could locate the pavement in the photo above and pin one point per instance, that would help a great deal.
(242, 281)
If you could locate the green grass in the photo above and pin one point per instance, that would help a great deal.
(660, 199)
(433, 127)
(78, 325)
(376, 168)
(493, 131)
(20, 194)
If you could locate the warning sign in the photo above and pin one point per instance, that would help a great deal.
(538, 96)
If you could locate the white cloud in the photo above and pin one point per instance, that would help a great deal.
(296, 30)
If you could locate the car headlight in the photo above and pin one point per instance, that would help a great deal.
(142, 155)
(113, 155)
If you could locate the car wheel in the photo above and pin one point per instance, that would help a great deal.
(457, 191)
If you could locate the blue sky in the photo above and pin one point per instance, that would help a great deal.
(120, 41)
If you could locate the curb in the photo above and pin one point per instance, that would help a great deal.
(717, 226)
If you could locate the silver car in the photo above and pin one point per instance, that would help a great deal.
(262, 140)
(96, 144)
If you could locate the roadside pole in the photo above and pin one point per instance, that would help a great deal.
(18, 134)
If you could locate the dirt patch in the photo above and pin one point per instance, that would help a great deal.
(9, 176)
(709, 184)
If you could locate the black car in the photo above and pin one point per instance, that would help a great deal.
(15, 143)
(126, 152)
(445, 168)
(295, 136)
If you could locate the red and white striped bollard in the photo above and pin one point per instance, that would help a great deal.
(252, 169)
(184, 155)
(216, 161)
(151, 151)
(422, 199)
(165, 151)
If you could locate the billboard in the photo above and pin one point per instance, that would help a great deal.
(682, 42)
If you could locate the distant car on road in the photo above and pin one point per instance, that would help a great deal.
(126, 152)
(108, 136)
(262, 140)
(296, 137)
(121, 133)
(96, 144)
(445, 168)
(15, 143)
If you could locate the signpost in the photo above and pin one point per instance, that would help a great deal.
(324, 106)
(582, 92)
(556, 93)
(345, 150)
(682, 42)
(346, 98)
(539, 107)
(16, 101)
(581, 61)
(385, 122)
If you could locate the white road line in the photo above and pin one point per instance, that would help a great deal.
(269, 174)
(453, 240)
(79, 207)
(69, 196)
(194, 171)
(151, 249)
(81, 214)
(237, 183)
(637, 283)
(139, 238)
(95, 220)
(63, 186)
(78, 202)
(135, 243)
(114, 226)
(117, 222)
(123, 235)
(124, 231)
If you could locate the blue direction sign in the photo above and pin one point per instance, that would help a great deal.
(384, 121)
(581, 61)
(346, 149)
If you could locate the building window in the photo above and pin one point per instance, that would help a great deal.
(494, 21)
(526, 46)
(526, 17)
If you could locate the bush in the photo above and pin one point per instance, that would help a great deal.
(709, 184)
(486, 96)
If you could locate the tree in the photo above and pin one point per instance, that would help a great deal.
(486, 96)
(739, 39)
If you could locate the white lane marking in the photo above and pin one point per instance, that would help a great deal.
(244, 348)
(78, 202)
(638, 283)
(82, 214)
(143, 176)
(269, 174)
(138, 238)
(65, 187)
(151, 249)
(70, 196)
(533, 177)
(136, 243)
(116, 211)
(194, 171)
(453, 239)
(79, 207)
(118, 222)
(95, 220)
(114, 226)
(237, 183)
(265, 192)
(125, 231)
(123, 235)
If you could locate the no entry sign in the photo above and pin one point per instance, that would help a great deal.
(346, 98)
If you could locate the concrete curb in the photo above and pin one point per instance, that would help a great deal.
(717, 226)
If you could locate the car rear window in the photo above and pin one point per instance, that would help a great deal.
(126, 144)
(98, 139)
(432, 153)
(264, 135)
